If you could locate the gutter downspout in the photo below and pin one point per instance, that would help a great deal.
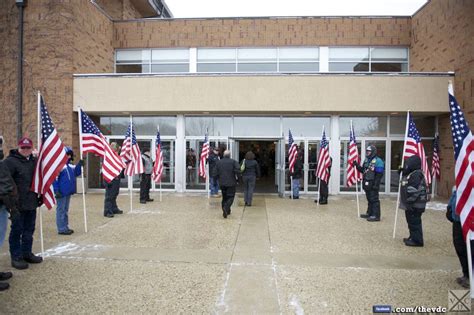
(20, 4)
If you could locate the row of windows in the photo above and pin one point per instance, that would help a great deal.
(281, 59)
(239, 126)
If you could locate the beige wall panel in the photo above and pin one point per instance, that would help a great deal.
(260, 94)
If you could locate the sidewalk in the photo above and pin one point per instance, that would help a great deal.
(278, 256)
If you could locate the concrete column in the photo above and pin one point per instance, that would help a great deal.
(334, 151)
(180, 157)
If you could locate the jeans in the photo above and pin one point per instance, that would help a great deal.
(249, 187)
(296, 187)
(21, 234)
(62, 219)
(111, 192)
(214, 185)
(3, 223)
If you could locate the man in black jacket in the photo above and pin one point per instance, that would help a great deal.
(228, 172)
(7, 204)
(413, 199)
(21, 165)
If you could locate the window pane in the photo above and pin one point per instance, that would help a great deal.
(343, 167)
(193, 150)
(390, 54)
(426, 125)
(348, 66)
(257, 126)
(146, 126)
(306, 126)
(396, 161)
(119, 125)
(257, 54)
(389, 67)
(299, 67)
(216, 67)
(132, 68)
(216, 126)
(364, 126)
(345, 53)
(299, 54)
(170, 55)
(216, 55)
(170, 68)
(133, 56)
(256, 67)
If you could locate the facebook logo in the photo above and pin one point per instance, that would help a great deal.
(382, 309)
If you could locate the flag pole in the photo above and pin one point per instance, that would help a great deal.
(469, 260)
(82, 170)
(356, 173)
(160, 192)
(130, 177)
(433, 186)
(38, 144)
(400, 177)
(207, 181)
(291, 187)
(357, 198)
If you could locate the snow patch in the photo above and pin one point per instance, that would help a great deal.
(438, 206)
(295, 304)
(143, 212)
(67, 248)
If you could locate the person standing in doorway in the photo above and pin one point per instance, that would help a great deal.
(64, 187)
(21, 165)
(112, 190)
(297, 174)
(191, 166)
(145, 180)
(213, 182)
(372, 170)
(250, 172)
(228, 172)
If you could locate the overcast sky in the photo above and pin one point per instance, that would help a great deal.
(234, 8)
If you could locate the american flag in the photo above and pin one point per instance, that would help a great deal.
(131, 154)
(51, 158)
(204, 156)
(435, 167)
(353, 174)
(464, 166)
(324, 161)
(414, 146)
(93, 141)
(158, 167)
(292, 152)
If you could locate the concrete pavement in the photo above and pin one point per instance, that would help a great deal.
(279, 256)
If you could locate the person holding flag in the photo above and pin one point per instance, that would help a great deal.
(145, 180)
(112, 189)
(323, 170)
(295, 167)
(372, 170)
(353, 175)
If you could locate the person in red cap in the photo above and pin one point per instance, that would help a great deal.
(21, 165)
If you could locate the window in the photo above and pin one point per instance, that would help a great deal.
(306, 126)
(216, 60)
(298, 59)
(132, 61)
(169, 60)
(257, 126)
(215, 126)
(257, 60)
(364, 126)
(349, 59)
(389, 59)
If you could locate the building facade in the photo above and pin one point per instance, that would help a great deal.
(247, 81)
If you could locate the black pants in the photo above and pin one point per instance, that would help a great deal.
(460, 247)
(111, 192)
(323, 191)
(414, 225)
(373, 207)
(145, 186)
(228, 194)
(21, 234)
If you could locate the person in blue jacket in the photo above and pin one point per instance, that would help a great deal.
(64, 187)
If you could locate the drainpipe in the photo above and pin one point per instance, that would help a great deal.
(20, 4)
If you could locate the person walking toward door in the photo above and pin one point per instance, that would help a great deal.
(228, 172)
(250, 172)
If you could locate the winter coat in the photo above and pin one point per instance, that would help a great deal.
(228, 172)
(212, 160)
(147, 164)
(22, 170)
(8, 194)
(252, 169)
(413, 193)
(451, 209)
(372, 171)
(65, 184)
(298, 169)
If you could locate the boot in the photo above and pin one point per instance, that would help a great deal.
(19, 264)
(5, 276)
(32, 259)
(4, 286)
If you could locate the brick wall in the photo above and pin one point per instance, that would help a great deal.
(262, 32)
(119, 9)
(442, 40)
(8, 77)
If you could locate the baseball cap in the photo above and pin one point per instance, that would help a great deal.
(25, 143)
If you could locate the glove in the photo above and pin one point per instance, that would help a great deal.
(354, 163)
(80, 163)
(14, 214)
(58, 195)
(40, 201)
